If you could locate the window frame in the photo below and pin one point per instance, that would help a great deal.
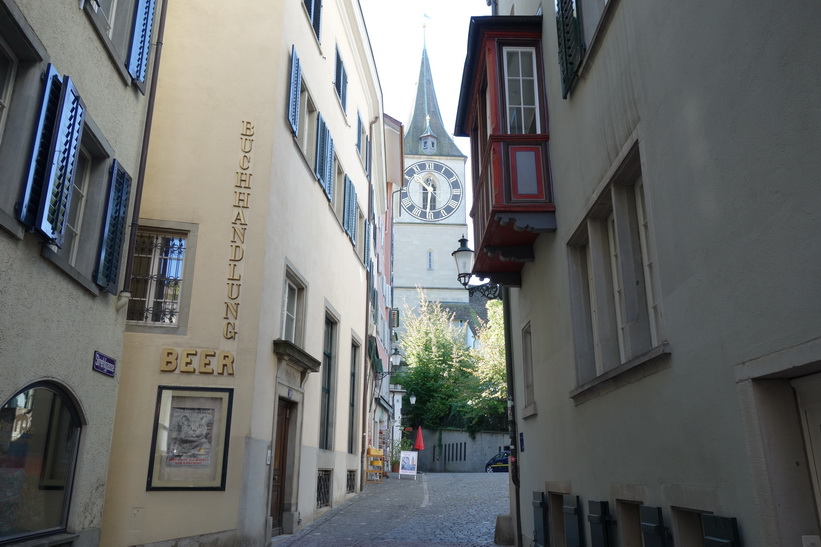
(70, 408)
(190, 231)
(613, 332)
(314, 13)
(353, 389)
(527, 372)
(341, 81)
(23, 104)
(7, 92)
(129, 51)
(327, 391)
(507, 78)
(293, 280)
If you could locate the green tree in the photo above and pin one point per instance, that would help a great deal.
(454, 385)
(440, 366)
(488, 408)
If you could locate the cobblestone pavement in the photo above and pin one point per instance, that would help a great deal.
(451, 509)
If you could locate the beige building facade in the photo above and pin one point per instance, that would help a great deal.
(247, 342)
(664, 327)
(75, 81)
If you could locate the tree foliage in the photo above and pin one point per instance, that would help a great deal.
(454, 385)
(490, 399)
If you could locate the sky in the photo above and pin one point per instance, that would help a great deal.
(398, 29)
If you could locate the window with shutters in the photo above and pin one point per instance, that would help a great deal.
(328, 374)
(361, 135)
(324, 165)
(125, 27)
(359, 237)
(571, 43)
(351, 214)
(313, 9)
(614, 290)
(21, 73)
(75, 196)
(293, 308)
(341, 81)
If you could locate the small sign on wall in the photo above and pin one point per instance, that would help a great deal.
(104, 364)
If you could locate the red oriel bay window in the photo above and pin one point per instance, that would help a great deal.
(502, 109)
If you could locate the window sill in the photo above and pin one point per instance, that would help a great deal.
(529, 410)
(57, 540)
(644, 365)
(70, 270)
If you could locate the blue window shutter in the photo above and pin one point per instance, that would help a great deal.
(367, 243)
(344, 96)
(296, 88)
(316, 16)
(353, 214)
(368, 157)
(321, 143)
(329, 166)
(68, 129)
(359, 134)
(141, 39)
(111, 244)
(346, 214)
(43, 136)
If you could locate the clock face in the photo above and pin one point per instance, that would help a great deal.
(432, 191)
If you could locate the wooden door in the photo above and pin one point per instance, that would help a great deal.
(280, 458)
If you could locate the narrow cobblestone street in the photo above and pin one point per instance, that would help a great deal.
(455, 509)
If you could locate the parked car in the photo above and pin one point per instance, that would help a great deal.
(498, 463)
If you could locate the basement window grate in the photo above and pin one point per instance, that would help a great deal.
(323, 488)
(350, 482)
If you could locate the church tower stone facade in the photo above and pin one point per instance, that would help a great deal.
(433, 204)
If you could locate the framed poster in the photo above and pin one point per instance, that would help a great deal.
(189, 446)
(407, 464)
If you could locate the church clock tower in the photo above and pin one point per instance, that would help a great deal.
(432, 204)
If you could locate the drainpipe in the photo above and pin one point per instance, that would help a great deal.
(125, 294)
(511, 411)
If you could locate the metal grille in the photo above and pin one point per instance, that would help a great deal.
(350, 481)
(323, 488)
(157, 278)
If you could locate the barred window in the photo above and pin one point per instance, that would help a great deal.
(350, 482)
(323, 488)
(156, 280)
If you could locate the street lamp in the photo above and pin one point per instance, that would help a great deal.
(412, 399)
(464, 263)
(396, 359)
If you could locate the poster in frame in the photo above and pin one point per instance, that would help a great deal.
(189, 445)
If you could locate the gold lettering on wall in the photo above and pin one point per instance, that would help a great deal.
(197, 361)
(236, 250)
